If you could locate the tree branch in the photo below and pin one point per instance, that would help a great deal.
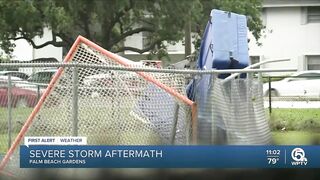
(116, 19)
(53, 42)
(121, 27)
(86, 22)
(129, 33)
(67, 39)
(150, 47)
(120, 14)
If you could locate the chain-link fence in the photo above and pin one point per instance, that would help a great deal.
(93, 88)
(114, 101)
(293, 103)
(18, 97)
(121, 105)
(108, 106)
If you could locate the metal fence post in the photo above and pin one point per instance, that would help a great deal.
(175, 121)
(38, 92)
(75, 106)
(9, 93)
(269, 82)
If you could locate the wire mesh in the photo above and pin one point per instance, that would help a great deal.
(231, 112)
(126, 107)
(113, 107)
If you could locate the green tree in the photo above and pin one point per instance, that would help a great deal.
(250, 8)
(110, 22)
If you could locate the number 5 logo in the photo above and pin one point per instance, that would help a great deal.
(298, 154)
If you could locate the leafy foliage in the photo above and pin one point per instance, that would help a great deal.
(110, 22)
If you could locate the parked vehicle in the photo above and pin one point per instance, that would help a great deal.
(18, 74)
(38, 81)
(20, 97)
(151, 63)
(42, 77)
(111, 83)
(14, 80)
(305, 83)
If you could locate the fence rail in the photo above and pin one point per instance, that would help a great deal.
(144, 69)
(20, 96)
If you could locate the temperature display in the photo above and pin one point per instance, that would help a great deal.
(273, 156)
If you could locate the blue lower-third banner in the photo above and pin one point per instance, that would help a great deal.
(87, 156)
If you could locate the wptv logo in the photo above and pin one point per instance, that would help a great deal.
(299, 157)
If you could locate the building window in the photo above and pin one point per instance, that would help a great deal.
(145, 39)
(313, 62)
(313, 14)
(254, 59)
(264, 16)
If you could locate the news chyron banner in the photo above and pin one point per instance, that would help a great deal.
(73, 152)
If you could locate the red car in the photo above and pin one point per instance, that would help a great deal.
(20, 97)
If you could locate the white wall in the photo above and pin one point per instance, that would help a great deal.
(48, 51)
(135, 40)
(287, 36)
(24, 51)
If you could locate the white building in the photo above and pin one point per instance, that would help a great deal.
(25, 52)
(292, 32)
(139, 40)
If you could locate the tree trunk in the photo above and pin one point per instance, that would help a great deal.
(187, 38)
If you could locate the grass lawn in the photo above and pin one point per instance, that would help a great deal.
(302, 126)
(295, 137)
(16, 112)
(101, 123)
(295, 119)
(19, 115)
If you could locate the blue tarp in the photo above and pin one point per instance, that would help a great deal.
(224, 46)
